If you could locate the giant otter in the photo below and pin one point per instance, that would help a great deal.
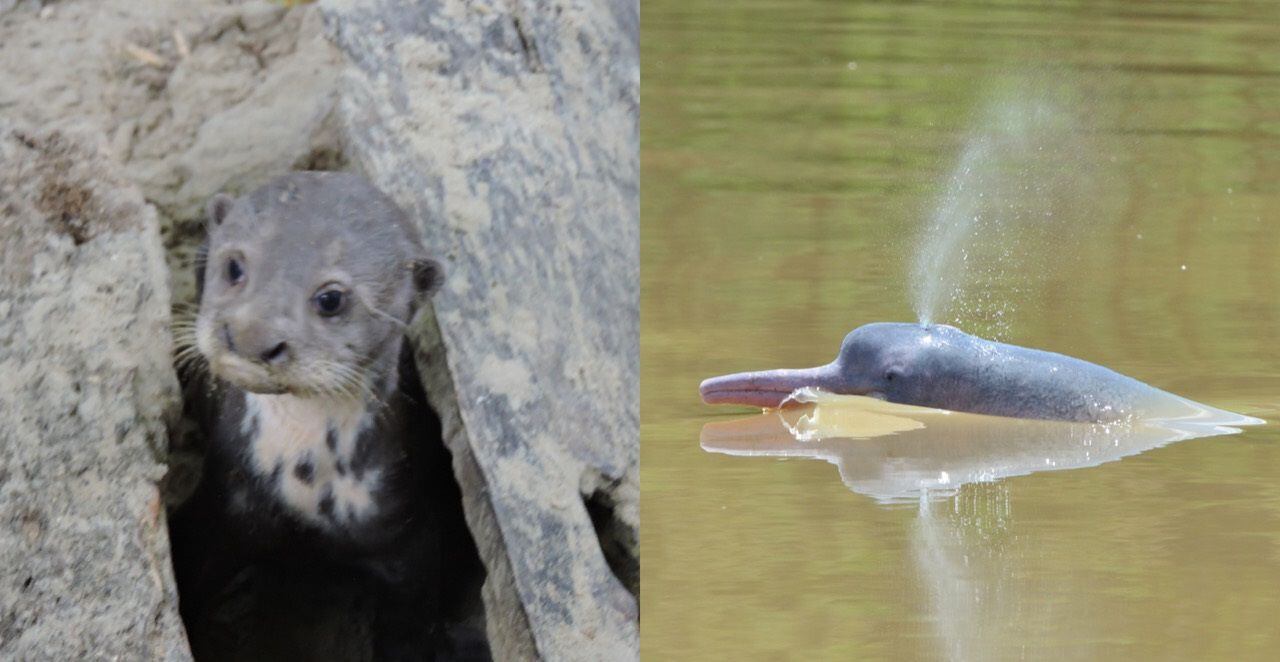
(322, 457)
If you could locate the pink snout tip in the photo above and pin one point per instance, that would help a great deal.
(766, 389)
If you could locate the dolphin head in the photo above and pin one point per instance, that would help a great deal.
(893, 361)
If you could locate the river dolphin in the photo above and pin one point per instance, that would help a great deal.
(943, 367)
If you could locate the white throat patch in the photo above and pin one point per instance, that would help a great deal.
(309, 445)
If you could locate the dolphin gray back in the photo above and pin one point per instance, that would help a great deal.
(989, 377)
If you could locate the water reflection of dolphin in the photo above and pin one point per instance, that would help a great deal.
(894, 452)
(944, 367)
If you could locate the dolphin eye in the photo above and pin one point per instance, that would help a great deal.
(235, 273)
(329, 302)
(890, 375)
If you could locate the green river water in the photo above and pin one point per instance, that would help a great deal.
(1123, 160)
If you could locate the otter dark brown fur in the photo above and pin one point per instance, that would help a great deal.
(322, 454)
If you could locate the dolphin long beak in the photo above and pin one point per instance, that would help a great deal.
(767, 388)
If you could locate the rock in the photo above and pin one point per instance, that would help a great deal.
(260, 14)
(252, 97)
(508, 130)
(86, 389)
(274, 127)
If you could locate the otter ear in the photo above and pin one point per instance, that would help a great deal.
(217, 209)
(428, 275)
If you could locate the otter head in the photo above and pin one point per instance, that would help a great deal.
(894, 361)
(307, 286)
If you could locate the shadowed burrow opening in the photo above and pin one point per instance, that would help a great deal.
(618, 539)
(258, 582)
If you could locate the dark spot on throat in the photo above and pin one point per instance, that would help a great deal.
(331, 438)
(361, 456)
(305, 471)
(326, 503)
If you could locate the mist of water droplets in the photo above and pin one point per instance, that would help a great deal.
(1017, 193)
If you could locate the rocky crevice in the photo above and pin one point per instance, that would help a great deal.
(529, 356)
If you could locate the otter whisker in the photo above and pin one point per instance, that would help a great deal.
(348, 381)
(352, 382)
(183, 317)
(332, 383)
(190, 362)
(327, 382)
(189, 353)
(399, 324)
(186, 351)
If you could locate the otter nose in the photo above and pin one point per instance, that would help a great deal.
(275, 354)
(256, 343)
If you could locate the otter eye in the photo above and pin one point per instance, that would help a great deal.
(235, 273)
(329, 302)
